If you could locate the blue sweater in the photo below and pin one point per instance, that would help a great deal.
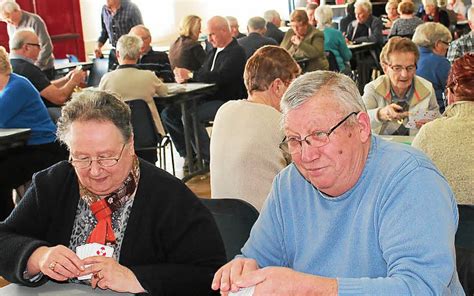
(21, 107)
(391, 234)
(336, 43)
(435, 69)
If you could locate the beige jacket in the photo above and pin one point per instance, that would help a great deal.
(131, 83)
(377, 95)
(449, 142)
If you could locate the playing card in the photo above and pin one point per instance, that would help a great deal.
(419, 116)
(243, 292)
(93, 249)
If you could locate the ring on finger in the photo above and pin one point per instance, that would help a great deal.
(52, 265)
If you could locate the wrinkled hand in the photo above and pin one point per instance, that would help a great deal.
(109, 274)
(295, 40)
(285, 281)
(181, 74)
(226, 277)
(391, 112)
(77, 76)
(59, 263)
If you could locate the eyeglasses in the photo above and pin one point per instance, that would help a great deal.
(102, 161)
(399, 68)
(292, 145)
(34, 44)
(445, 42)
(445, 95)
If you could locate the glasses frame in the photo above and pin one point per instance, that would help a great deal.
(74, 162)
(34, 44)
(402, 68)
(285, 147)
(445, 42)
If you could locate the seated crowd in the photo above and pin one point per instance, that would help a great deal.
(342, 210)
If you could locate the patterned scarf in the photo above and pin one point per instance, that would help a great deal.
(103, 207)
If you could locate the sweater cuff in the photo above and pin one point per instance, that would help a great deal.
(349, 286)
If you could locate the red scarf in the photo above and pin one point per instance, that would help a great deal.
(103, 207)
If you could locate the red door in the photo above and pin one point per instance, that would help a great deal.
(63, 19)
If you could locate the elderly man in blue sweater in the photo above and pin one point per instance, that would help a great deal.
(353, 214)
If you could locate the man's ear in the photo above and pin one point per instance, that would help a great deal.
(363, 121)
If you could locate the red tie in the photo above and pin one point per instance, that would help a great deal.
(103, 232)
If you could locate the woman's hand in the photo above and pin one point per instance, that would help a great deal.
(109, 274)
(59, 263)
(391, 112)
(295, 40)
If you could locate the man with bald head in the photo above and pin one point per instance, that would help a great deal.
(148, 55)
(25, 48)
(224, 66)
(255, 39)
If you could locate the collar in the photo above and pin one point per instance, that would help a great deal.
(20, 57)
(125, 66)
(420, 90)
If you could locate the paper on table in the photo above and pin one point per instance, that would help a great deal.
(419, 116)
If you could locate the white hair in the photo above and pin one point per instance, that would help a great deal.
(364, 4)
(323, 15)
(129, 47)
(9, 6)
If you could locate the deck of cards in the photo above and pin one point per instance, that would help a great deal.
(93, 249)
(243, 292)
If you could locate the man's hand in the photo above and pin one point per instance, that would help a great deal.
(181, 74)
(227, 275)
(77, 76)
(285, 281)
(98, 52)
(59, 263)
(109, 274)
(391, 112)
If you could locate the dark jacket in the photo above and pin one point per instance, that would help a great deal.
(374, 29)
(254, 41)
(227, 73)
(171, 243)
(186, 53)
(274, 32)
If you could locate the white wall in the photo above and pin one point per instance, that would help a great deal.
(162, 17)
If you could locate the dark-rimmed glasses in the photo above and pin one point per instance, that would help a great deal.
(292, 145)
(400, 68)
(34, 44)
(102, 161)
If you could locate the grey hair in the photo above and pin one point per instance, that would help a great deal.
(323, 15)
(257, 23)
(429, 33)
(20, 38)
(94, 105)
(9, 6)
(129, 47)
(270, 14)
(339, 86)
(365, 4)
(428, 2)
(470, 13)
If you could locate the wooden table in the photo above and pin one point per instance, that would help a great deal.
(13, 137)
(186, 95)
(55, 289)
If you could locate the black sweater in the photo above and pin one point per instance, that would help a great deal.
(171, 243)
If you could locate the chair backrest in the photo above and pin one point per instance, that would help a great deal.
(333, 66)
(465, 248)
(162, 71)
(99, 68)
(144, 129)
(234, 218)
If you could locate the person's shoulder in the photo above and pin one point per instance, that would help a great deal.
(21, 82)
(59, 171)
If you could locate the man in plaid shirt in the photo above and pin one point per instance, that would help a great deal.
(465, 44)
(118, 17)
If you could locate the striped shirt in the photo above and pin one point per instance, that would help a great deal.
(120, 23)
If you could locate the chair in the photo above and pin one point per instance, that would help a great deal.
(99, 68)
(234, 218)
(333, 66)
(465, 248)
(146, 137)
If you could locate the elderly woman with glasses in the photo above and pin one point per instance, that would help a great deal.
(397, 101)
(433, 41)
(160, 238)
